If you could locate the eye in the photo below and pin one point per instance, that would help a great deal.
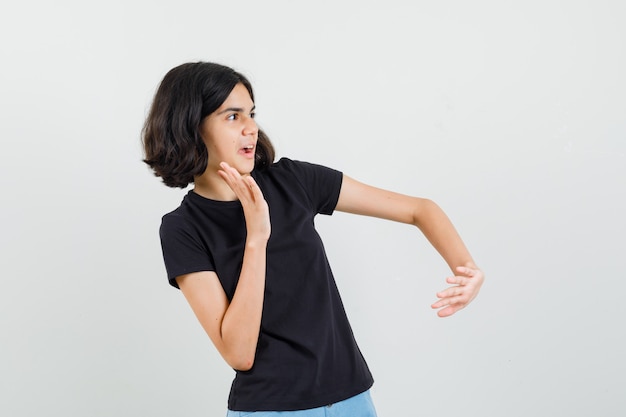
(253, 115)
(233, 116)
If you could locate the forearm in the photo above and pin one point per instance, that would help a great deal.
(242, 321)
(440, 232)
(359, 198)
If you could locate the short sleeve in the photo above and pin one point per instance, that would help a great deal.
(183, 250)
(322, 184)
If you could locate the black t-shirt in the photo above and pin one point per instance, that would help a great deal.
(306, 354)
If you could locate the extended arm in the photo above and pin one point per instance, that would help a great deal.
(234, 327)
(359, 198)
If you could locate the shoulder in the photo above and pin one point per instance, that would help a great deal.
(317, 184)
(306, 173)
(294, 165)
(177, 222)
(173, 220)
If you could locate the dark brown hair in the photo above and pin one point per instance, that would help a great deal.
(171, 137)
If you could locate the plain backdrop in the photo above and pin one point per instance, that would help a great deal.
(510, 115)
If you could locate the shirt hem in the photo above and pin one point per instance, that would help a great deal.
(299, 405)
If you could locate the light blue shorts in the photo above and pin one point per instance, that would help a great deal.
(358, 406)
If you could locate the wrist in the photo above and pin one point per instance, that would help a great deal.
(470, 264)
(256, 243)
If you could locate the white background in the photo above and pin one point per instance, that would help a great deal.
(510, 115)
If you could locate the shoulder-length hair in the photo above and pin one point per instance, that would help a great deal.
(171, 136)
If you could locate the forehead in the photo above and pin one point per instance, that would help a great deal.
(238, 97)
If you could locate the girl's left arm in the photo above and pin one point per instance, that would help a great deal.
(358, 198)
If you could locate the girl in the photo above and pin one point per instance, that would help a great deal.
(243, 249)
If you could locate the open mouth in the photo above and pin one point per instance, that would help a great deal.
(248, 148)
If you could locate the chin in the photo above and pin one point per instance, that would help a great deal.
(245, 169)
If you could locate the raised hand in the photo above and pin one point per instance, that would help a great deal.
(466, 285)
(255, 207)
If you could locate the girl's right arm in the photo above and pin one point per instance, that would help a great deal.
(234, 326)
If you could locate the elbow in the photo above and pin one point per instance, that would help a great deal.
(239, 353)
(241, 363)
(422, 210)
(245, 367)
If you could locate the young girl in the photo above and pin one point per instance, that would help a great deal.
(243, 249)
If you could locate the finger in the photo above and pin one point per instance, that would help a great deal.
(226, 172)
(231, 173)
(458, 280)
(450, 292)
(235, 181)
(448, 306)
(448, 311)
(461, 299)
(446, 301)
(254, 188)
(225, 176)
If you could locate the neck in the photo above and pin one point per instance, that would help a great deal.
(211, 185)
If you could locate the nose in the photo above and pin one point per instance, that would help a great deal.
(250, 127)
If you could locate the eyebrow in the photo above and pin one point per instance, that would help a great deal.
(236, 109)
